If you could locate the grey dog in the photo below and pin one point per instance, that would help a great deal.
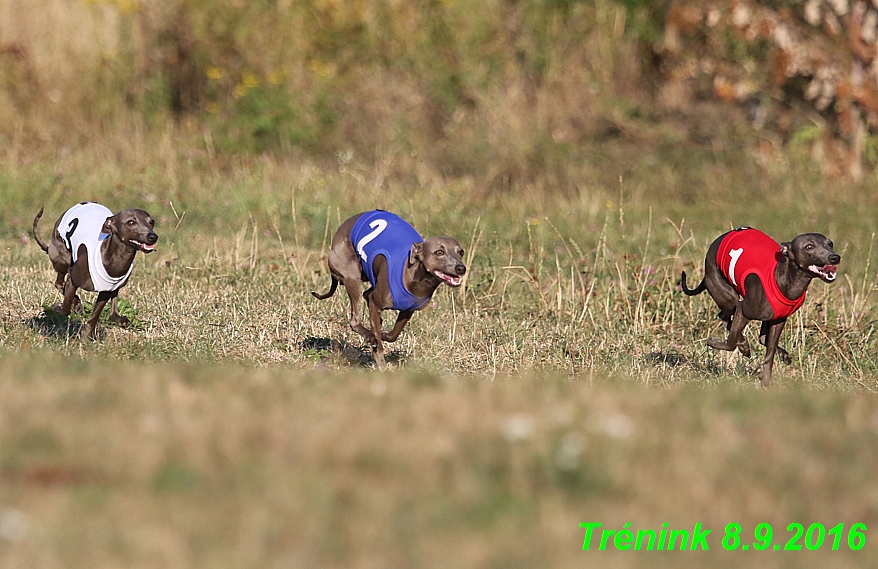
(788, 270)
(114, 240)
(422, 265)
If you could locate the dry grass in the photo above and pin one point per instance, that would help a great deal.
(203, 466)
(240, 422)
(579, 286)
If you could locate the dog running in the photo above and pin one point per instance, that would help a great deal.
(403, 269)
(752, 277)
(94, 250)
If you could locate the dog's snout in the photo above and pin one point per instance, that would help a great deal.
(835, 258)
(460, 269)
(152, 238)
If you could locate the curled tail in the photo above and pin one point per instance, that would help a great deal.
(39, 241)
(692, 291)
(326, 295)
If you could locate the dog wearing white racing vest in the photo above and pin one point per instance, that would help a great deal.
(93, 249)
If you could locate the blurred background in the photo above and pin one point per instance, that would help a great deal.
(583, 152)
(513, 94)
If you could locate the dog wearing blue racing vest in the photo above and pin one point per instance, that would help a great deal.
(402, 268)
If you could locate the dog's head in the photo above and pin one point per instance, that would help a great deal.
(134, 227)
(442, 257)
(813, 254)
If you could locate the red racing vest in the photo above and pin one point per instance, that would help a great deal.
(745, 251)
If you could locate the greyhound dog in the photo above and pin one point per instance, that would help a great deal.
(403, 268)
(771, 278)
(94, 250)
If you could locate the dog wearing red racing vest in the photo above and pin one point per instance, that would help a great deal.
(752, 277)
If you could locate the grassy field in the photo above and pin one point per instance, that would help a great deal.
(107, 464)
(569, 285)
(239, 422)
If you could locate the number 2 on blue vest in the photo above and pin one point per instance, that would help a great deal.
(377, 226)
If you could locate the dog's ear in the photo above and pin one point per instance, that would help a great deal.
(415, 253)
(109, 226)
(786, 249)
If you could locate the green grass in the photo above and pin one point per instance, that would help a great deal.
(574, 286)
(241, 422)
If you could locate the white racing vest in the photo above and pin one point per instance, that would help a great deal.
(81, 225)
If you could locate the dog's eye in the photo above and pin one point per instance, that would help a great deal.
(439, 252)
(131, 222)
(460, 252)
(831, 246)
(809, 246)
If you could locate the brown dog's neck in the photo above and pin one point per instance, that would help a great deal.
(791, 280)
(419, 281)
(117, 256)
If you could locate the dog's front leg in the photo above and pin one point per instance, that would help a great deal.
(736, 335)
(771, 341)
(92, 321)
(763, 339)
(401, 321)
(378, 347)
(122, 321)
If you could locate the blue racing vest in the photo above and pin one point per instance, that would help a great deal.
(380, 232)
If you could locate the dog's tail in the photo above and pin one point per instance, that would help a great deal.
(691, 291)
(39, 241)
(326, 295)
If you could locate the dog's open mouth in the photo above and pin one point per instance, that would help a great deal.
(145, 247)
(450, 280)
(826, 272)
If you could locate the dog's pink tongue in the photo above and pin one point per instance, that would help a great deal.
(830, 269)
(451, 280)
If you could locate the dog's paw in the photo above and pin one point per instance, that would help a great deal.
(369, 338)
(76, 306)
(744, 348)
(121, 320)
(784, 356)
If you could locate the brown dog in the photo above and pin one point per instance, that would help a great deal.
(94, 250)
(771, 278)
(403, 268)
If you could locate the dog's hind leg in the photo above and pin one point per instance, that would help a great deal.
(736, 335)
(59, 282)
(353, 289)
(64, 307)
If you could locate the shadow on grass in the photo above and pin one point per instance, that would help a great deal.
(322, 349)
(52, 325)
(678, 360)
